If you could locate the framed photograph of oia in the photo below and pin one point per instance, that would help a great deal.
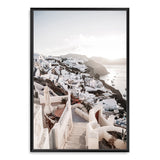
(79, 79)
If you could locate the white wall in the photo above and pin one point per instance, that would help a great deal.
(63, 128)
(14, 65)
(41, 135)
(38, 125)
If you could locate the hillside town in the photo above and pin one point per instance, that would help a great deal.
(72, 105)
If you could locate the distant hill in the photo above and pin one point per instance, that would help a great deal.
(106, 61)
(97, 67)
(76, 56)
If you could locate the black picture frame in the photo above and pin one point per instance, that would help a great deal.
(31, 74)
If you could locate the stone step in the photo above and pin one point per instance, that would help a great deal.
(77, 139)
(74, 146)
(74, 143)
(80, 124)
(79, 127)
(78, 132)
(77, 135)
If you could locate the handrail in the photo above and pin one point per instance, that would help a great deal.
(62, 129)
(65, 110)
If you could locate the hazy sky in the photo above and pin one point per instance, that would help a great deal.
(92, 33)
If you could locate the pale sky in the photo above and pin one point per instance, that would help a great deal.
(92, 33)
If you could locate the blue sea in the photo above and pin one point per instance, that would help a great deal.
(116, 77)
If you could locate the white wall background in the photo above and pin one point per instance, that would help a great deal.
(144, 78)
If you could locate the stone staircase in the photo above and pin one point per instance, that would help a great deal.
(76, 140)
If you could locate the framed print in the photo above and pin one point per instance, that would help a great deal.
(79, 79)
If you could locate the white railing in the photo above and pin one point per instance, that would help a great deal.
(92, 136)
(41, 137)
(97, 130)
(62, 129)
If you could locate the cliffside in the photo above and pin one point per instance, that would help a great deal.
(96, 68)
(93, 67)
(116, 94)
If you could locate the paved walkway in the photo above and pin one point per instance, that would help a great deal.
(76, 140)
